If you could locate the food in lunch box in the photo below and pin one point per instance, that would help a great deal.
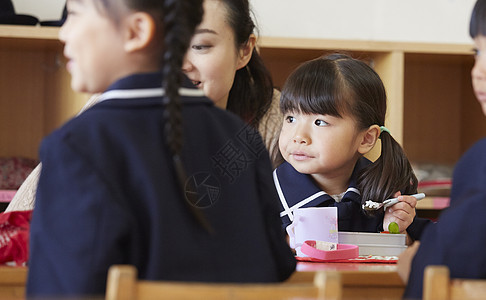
(326, 246)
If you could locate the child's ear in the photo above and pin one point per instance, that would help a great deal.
(140, 30)
(246, 51)
(369, 138)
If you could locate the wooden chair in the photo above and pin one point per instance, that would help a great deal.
(439, 285)
(123, 284)
(12, 282)
(365, 284)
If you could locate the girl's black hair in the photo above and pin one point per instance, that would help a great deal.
(180, 18)
(339, 85)
(178, 21)
(251, 95)
(477, 26)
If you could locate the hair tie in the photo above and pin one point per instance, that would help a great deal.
(383, 128)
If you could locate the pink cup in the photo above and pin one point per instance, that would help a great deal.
(312, 223)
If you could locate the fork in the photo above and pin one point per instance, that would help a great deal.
(371, 205)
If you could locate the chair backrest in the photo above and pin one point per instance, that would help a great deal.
(123, 284)
(12, 282)
(439, 285)
(364, 282)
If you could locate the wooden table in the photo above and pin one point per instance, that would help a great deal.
(12, 282)
(359, 280)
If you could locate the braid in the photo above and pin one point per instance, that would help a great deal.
(180, 21)
(174, 49)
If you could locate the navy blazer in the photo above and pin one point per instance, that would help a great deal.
(297, 190)
(458, 239)
(108, 195)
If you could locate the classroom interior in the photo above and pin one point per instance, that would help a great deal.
(432, 111)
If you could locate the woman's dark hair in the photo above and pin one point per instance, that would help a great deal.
(178, 21)
(477, 26)
(251, 94)
(339, 85)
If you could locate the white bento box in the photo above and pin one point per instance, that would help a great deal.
(383, 244)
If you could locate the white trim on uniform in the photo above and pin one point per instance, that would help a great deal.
(305, 201)
(288, 210)
(146, 93)
(354, 190)
(191, 92)
(282, 198)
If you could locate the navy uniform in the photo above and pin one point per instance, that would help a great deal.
(458, 239)
(297, 190)
(108, 195)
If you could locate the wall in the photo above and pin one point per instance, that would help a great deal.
(442, 21)
(45, 10)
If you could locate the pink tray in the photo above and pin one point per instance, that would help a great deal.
(343, 251)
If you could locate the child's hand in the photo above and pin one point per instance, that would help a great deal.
(402, 213)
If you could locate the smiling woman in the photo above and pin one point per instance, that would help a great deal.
(223, 62)
(213, 57)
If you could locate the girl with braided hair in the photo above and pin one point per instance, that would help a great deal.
(153, 174)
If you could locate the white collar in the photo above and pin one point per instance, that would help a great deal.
(146, 93)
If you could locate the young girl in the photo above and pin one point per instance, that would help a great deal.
(334, 112)
(458, 238)
(153, 175)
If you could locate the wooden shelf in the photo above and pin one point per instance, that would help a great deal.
(28, 37)
(431, 207)
(29, 32)
(433, 203)
(364, 46)
(36, 94)
(431, 108)
(432, 111)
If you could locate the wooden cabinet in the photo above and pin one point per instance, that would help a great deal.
(36, 96)
(431, 110)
